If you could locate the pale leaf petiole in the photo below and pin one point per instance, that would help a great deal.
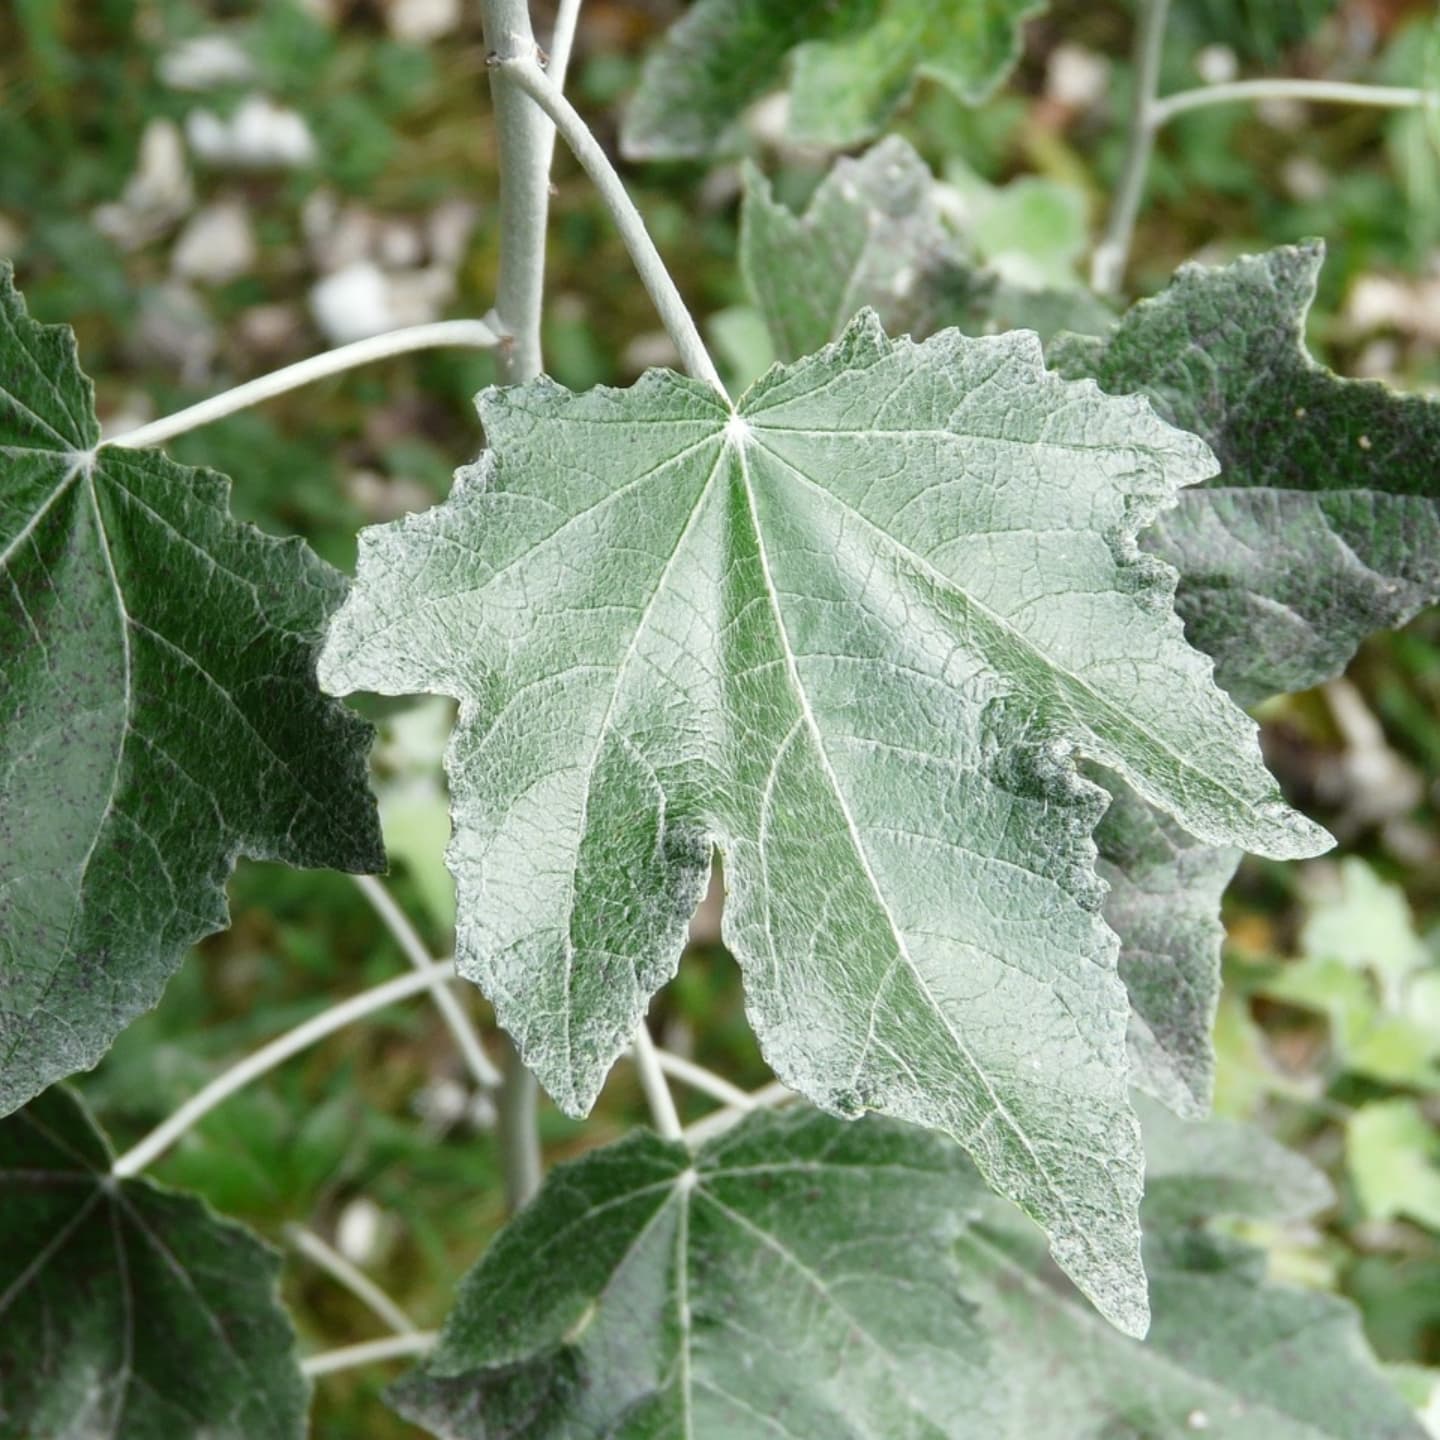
(1323, 92)
(472, 334)
(325, 1257)
(687, 1072)
(368, 1352)
(767, 1097)
(467, 1038)
(657, 1091)
(673, 312)
(265, 1059)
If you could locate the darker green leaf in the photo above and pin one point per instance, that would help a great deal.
(795, 1278)
(851, 63)
(128, 1311)
(1324, 522)
(1229, 1353)
(805, 1278)
(159, 716)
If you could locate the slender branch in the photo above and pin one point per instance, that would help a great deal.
(471, 333)
(525, 140)
(526, 144)
(652, 1081)
(360, 1285)
(392, 1347)
(673, 312)
(265, 1059)
(519, 1130)
(487, 1076)
(699, 1078)
(767, 1097)
(1107, 265)
(562, 43)
(1333, 92)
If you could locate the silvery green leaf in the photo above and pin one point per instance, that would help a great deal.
(129, 1311)
(853, 633)
(850, 62)
(159, 715)
(1324, 522)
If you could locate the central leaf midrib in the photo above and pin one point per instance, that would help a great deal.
(631, 649)
(66, 952)
(812, 725)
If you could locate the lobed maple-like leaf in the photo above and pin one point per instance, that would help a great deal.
(795, 1277)
(851, 63)
(800, 1277)
(159, 714)
(874, 234)
(1323, 524)
(851, 633)
(129, 1311)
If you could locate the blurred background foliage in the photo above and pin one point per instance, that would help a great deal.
(207, 189)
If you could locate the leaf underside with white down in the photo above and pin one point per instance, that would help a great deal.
(1164, 904)
(805, 1278)
(850, 64)
(1324, 522)
(128, 1311)
(852, 635)
(873, 235)
(159, 715)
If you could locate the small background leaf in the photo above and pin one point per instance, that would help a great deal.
(854, 62)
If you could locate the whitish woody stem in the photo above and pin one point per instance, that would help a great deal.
(673, 312)
(526, 143)
(1149, 112)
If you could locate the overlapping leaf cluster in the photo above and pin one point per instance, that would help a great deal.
(897, 634)
(804, 1277)
(850, 633)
